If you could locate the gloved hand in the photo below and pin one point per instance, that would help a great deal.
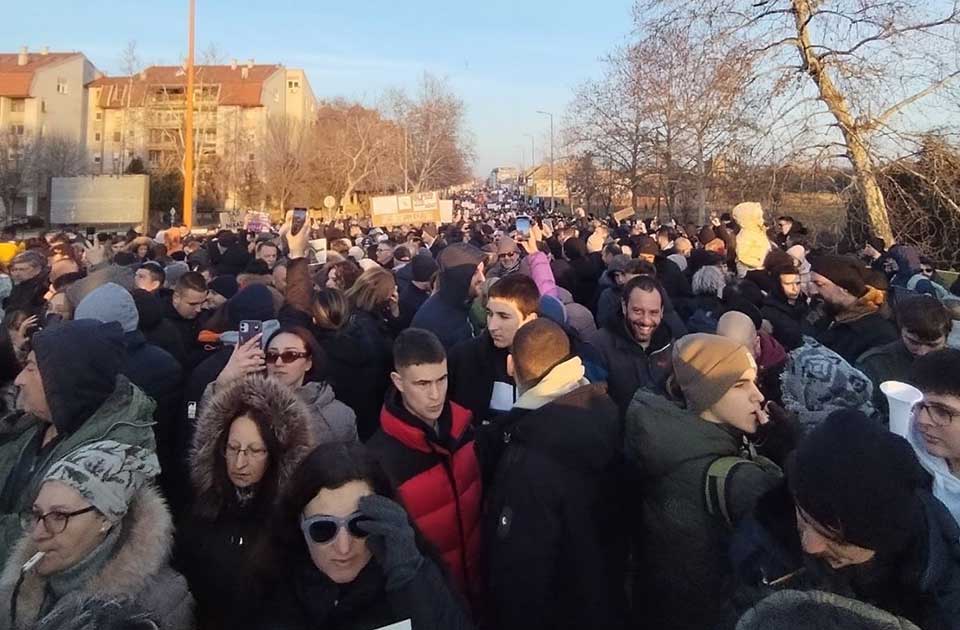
(392, 539)
(780, 435)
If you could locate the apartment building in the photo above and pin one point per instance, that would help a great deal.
(142, 115)
(42, 93)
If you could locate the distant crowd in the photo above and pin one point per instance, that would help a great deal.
(518, 420)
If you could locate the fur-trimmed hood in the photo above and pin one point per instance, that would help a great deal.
(138, 569)
(290, 420)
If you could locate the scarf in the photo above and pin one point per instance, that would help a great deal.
(75, 578)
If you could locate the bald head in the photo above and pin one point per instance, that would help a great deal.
(739, 327)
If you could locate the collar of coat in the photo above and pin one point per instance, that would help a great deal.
(413, 433)
(562, 379)
(142, 551)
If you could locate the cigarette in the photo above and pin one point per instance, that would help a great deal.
(32, 562)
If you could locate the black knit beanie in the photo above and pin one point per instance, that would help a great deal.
(842, 271)
(853, 476)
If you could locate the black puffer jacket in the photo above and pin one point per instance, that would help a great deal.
(629, 366)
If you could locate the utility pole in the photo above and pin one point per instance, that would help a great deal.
(552, 198)
(188, 129)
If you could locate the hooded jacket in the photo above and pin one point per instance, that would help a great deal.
(446, 312)
(683, 577)
(215, 546)
(330, 419)
(553, 527)
(858, 330)
(438, 481)
(138, 568)
(79, 363)
(787, 319)
(946, 486)
(792, 609)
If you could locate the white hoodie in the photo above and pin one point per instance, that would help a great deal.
(946, 487)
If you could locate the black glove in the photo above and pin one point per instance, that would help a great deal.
(392, 539)
(778, 437)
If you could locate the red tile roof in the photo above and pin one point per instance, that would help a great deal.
(15, 80)
(234, 89)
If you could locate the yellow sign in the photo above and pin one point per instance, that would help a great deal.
(405, 209)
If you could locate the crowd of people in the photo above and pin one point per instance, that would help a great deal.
(515, 420)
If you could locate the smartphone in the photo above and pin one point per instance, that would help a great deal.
(523, 226)
(250, 328)
(548, 223)
(299, 220)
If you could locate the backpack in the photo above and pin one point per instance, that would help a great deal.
(716, 491)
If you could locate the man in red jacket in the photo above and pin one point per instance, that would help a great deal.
(426, 446)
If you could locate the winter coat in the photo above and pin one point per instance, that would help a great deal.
(674, 282)
(922, 585)
(411, 299)
(359, 368)
(579, 316)
(474, 366)
(125, 416)
(308, 600)
(861, 329)
(793, 609)
(446, 312)
(682, 575)
(138, 568)
(330, 420)
(438, 481)
(215, 548)
(629, 366)
(786, 319)
(187, 329)
(890, 362)
(160, 376)
(552, 527)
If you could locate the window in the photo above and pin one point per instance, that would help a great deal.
(293, 85)
(43, 106)
(117, 136)
(96, 158)
(276, 96)
(16, 130)
(98, 116)
(153, 157)
(61, 86)
(97, 137)
(18, 105)
(251, 157)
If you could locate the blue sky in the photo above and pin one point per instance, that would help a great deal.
(506, 58)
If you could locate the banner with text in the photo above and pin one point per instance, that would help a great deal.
(412, 209)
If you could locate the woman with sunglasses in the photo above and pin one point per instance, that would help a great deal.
(249, 438)
(345, 554)
(97, 529)
(295, 359)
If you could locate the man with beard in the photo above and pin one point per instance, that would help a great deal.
(633, 345)
(446, 312)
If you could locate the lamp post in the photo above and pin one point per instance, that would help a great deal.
(552, 198)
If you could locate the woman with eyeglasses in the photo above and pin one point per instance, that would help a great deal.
(97, 529)
(249, 438)
(295, 359)
(345, 555)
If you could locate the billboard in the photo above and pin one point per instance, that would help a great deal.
(412, 209)
(99, 199)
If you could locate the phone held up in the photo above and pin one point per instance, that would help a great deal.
(523, 226)
(299, 220)
(249, 328)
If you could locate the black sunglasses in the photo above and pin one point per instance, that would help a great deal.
(287, 356)
(322, 529)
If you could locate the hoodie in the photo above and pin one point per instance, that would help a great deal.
(946, 487)
(446, 313)
(79, 362)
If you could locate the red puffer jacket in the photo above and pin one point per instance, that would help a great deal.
(438, 480)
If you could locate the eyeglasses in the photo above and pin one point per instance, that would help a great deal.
(926, 270)
(232, 452)
(54, 521)
(287, 356)
(322, 529)
(937, 414)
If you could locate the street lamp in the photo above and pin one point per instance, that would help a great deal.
(552, 198)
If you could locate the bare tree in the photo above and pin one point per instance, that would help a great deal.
(866, 63)
(285, 158)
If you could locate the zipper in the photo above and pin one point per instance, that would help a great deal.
(445, 461)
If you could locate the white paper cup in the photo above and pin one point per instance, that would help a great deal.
(901, 398)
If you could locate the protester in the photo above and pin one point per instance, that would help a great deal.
(478, 367)
(415, 292)
(150, 277)
(72, 391)
(857, 311)
(445, 312)
(785, 306)
(104, 532)
(182, 309)
(346, 555)
(250, 437)
(425, 445)
(697, 478)
(294, 358)
(633, 346)
(935, 429)
(553, 529)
